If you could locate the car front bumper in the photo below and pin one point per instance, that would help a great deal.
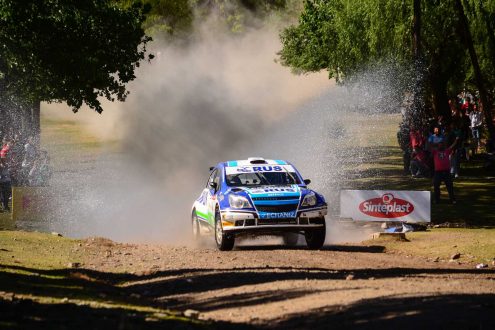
(238, 222)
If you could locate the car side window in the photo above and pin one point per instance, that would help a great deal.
(216, 179)
(211, 178)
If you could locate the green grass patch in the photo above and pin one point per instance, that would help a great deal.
(38, 289)
(68, 143)
(37, 250)
(474, 245)
(383, 170)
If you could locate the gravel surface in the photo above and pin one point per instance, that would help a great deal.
(271, 286)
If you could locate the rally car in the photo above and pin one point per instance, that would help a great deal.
(258, 197)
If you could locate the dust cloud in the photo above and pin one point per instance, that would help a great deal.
(194, 106)
(220, 97)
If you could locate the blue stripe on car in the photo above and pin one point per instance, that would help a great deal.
(277, 202)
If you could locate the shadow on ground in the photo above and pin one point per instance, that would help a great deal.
(456, 311)
(130, 301)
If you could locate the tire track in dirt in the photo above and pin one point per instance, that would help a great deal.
(272, 286)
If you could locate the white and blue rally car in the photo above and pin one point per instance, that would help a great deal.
(258, 197)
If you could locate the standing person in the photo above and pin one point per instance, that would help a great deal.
(436, 138)
(28, 161)
(41, 172)
(5, 148)
(441, 162)
(476, 118)
(404, 140)
(5, 184)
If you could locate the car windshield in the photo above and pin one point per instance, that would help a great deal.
(262, 178)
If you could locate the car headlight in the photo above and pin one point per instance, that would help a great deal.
(309, 200)
(239, 202)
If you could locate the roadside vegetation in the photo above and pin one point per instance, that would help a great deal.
(42, 286)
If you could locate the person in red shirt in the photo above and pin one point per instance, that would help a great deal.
(5, 148)
(441, 162)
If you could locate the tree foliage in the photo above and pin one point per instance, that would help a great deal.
(70, 50)
(343, 36)
(176, 18)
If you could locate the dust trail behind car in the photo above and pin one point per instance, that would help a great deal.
(194, 105)
(218, 98)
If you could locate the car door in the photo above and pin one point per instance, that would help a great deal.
(212, 195)
(203, 202)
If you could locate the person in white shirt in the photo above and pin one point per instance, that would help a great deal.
(476, 119)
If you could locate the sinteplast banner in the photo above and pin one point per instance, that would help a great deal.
(385, 205)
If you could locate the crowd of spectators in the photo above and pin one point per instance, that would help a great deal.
(438, 150)
(21, 164)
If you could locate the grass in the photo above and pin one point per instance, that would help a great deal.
(38, 289)
(67, 143)
(37, 250)
(474, 245)
(383, 170)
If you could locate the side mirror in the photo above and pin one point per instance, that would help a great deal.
(213, 185)
(212, 168)
(307, 181)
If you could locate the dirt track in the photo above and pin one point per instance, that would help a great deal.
(272, 286)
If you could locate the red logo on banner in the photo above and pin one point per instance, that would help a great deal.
(386, 206)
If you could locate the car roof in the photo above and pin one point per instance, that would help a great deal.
(255, 161)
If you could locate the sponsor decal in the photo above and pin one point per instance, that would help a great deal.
(274, 191)
(277, 215)
(254, 169)
(386, 206)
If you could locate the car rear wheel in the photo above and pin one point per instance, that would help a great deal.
(290, 239)
(225, 241)
(315, 238)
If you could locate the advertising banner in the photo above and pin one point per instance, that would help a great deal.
(30, 203)
(385, 205)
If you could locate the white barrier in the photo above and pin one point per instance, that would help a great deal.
(385, 205)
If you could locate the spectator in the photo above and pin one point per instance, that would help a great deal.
(417, 139)
(6, 144)
(403, 138)
(5, 184)
(28, 161)
(420, 163)
(476, 120)
(442, 171)
(40, 172)
(436, 138)
(455, 138)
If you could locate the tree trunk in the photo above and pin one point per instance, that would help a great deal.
(440, 99)
(477, 72)
(490, 29)
(35, 123)
(417, 30)
(418, 107)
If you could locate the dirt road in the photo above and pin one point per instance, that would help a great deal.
(271, 286)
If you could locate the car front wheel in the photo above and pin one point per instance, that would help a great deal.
(315, 238)
(225, 241)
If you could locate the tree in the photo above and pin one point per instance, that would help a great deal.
(69, 50)
(343, 36)
(476, 67)
(174, 19)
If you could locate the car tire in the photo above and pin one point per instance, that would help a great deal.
(315, 238)
(196, 233)
(225, 242)
(290, 239)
